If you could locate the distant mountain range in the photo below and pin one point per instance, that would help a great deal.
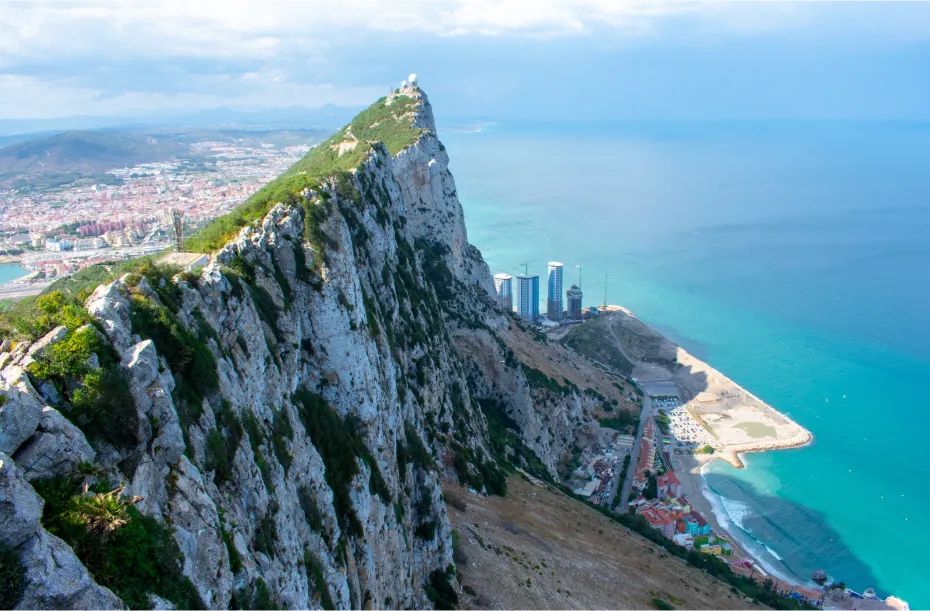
(289, 117)
(65, 157)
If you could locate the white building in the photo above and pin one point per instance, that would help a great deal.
(89, 244)
(503, 283)
(58, 245)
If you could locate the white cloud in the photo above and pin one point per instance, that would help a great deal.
(244, 28)
(213, 52)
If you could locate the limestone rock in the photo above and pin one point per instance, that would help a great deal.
(20, 505)
(21, 412)
(56, 448)
(38, 348)
(57, 580)
(108, 305)
(142, 362)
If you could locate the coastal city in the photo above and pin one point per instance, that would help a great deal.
(56, 232)
(646, 473)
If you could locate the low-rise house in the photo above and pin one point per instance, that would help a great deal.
(659, 520)
(668, 485)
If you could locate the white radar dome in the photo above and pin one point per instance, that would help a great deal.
(412, 79)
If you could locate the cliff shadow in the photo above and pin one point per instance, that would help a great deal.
(789, 537)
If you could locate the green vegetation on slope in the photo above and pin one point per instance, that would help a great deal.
(341, 446)
(132, 554)
(99, 398)
(391, 124)
(12, 578)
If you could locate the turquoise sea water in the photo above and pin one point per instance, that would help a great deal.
(11, 272)
(794, 257)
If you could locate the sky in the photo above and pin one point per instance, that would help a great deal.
(539, 61)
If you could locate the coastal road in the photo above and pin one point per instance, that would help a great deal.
(634, 455)
(18, 291)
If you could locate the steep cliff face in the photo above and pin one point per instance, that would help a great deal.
(290, 409)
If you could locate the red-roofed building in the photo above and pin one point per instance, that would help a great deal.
(668, 485)
(659, 520)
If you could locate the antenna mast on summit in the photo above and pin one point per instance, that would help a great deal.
(177, 222)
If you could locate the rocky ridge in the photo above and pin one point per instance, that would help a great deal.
(352, 357)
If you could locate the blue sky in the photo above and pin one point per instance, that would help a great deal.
(540, 61)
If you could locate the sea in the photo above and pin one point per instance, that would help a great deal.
(11, 272)
(792, 256)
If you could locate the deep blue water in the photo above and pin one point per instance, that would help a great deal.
(795, 257)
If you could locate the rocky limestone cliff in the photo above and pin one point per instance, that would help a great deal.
(353, 358)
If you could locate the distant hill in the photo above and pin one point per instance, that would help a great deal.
(69, 156)
(291, 117)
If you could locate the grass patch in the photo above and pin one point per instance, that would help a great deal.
(388, 123)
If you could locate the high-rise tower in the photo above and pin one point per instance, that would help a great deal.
(528, 296)
(573, 297)
(504, 285)
(554, 301)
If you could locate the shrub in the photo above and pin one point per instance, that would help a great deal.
(426, 530)
(310, 508)
(458, 552)
(190, 360)
(621, 421)
(222, 443)
(538, 379)
(102, 405)
(341, 447)
(219, 459)
(130, 553)
(261, 598)
(256, 433)
(235, 560)
(661, 604)
(241, 270)
(266, 534)
(12, 579)
(33, 317)
(316, 579)
(440, 591)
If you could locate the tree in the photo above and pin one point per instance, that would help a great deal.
(651, 491)
(819, 577)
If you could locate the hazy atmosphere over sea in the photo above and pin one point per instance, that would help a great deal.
(793, 256)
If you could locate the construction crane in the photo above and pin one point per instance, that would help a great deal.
(579, 275)
(526, 267)
(607, 275)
